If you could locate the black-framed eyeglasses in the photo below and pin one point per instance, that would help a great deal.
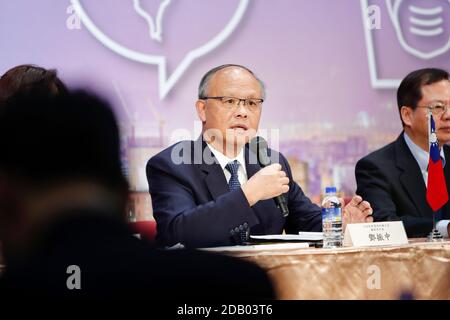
(233, 102)
(437, 109)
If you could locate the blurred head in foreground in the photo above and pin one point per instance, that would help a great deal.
(59, 150)
(62, 200)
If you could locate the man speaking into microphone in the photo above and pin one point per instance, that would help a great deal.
(219, 189)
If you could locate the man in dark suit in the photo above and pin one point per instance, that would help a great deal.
(394, 178)
(208, 193)
(62, 213)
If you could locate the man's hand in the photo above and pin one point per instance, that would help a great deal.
(267, 183)
(356, 211)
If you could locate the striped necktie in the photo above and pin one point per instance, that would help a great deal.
(233, 168)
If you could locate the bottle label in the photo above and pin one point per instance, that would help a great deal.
(332, 214)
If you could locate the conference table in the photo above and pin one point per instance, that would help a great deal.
(418, 270)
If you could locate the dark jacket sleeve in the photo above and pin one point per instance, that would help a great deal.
(181, 220)
(373, 186)
(303, 214)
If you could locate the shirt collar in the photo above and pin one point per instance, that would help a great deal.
(421, 156)
(224, 160)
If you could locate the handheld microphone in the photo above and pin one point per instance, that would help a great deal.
(259, 146)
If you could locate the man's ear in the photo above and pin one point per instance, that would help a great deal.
(406, 113)
(200, 105)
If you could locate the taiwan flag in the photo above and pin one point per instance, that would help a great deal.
(437, 194)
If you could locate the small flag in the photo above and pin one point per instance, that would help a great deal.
(437, 194)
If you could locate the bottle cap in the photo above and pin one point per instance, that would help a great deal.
(330, 190)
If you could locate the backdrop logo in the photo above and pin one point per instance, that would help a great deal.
(154, 25)
(420, 30)
(155, 28)
(423, 23)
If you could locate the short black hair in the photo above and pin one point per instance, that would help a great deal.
(27, 77)
(409, 92)
(46, 139)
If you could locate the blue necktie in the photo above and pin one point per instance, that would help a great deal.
(233, 168)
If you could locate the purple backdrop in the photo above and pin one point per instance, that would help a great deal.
(315, 56)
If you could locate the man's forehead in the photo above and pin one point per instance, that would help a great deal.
(438, 90)
(439, 84)
(233, 73)
(233, 77)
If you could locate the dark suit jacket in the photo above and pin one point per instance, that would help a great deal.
(391, 180)
(115, 264)
(192, 204)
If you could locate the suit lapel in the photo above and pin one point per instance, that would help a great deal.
(411, 177)
(213, 174)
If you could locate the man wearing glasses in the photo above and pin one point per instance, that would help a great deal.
(394, 178)
(208, 192)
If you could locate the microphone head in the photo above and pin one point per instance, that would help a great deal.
(258, 145)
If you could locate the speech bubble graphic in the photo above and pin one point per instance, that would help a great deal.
(166, 82)
(424, 23)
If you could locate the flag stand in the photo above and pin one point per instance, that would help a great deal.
(434, 235)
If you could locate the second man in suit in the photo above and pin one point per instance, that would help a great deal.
(394, 178)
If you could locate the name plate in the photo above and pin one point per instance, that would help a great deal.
(375, 234)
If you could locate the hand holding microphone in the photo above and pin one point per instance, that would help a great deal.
(269, 182)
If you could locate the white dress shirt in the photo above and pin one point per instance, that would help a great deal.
(422, 158)
(224, 160)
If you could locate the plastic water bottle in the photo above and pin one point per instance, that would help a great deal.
(331, 219)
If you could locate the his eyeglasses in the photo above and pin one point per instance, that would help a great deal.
(437, 109)
(233, 103)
